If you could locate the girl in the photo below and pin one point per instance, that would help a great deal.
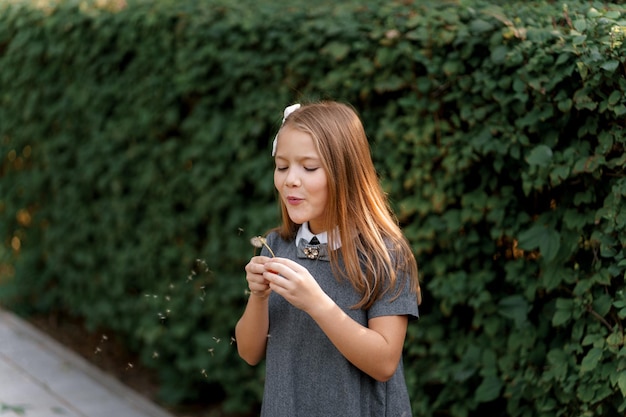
(330, 301)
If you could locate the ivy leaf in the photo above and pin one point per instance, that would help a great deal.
(480, 26)
(610, 65)
(541, 155)
(550, 246)
(498, 55)
(561, 317)
(514, 307)
(489, 389)
(602, 304)
(621, 383)
(620, 110)
(563, 311)
(557, 360)
(615, 97)
(553, 276)
(337, 50)
(539, 236)
(591, 360)
(580, 25)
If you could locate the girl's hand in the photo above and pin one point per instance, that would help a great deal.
(257, 284)
(294, 283)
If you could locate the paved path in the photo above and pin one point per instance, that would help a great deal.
(41, 378)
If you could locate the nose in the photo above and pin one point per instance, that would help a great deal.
(292, 179)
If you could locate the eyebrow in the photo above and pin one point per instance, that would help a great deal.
(300, 158)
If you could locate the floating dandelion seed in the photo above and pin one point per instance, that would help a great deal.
(200, 265)
(232, 340)
(103, 339)
(217, 339)
(155, 355)
(239, 231)
(211, 351)
(259, 242)
(203, 372)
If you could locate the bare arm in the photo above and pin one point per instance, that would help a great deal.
(376, 349)
(253, 326)
(251, 330)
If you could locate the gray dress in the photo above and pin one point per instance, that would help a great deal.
(305, 373)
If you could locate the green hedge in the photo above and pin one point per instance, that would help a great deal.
(135, 167)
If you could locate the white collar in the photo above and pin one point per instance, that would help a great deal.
(305, 233)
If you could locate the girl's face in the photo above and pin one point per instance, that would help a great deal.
(300, 178)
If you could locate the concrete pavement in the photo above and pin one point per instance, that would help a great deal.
(41, 378)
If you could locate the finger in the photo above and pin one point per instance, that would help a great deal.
(276, 278)
(255, 267)
(261, 260)
(284, 266)
(274, 271)
(285, 261)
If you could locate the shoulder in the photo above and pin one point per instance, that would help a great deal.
(273, 237)
(401, 300)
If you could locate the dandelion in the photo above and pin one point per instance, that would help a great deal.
(129, 366)
(155, 355)
(204, 374)
(259, 242)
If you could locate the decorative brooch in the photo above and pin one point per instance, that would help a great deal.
(311, 252)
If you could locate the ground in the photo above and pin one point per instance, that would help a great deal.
(110, 355)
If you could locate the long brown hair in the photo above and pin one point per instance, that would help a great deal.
(375, 252)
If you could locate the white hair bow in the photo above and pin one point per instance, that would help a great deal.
(286, 113)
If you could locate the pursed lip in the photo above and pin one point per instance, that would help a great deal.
(294, 200)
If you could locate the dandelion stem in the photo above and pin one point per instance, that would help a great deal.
(268, 248)
(259, 242)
